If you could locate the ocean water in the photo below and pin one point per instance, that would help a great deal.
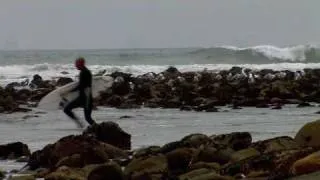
(19, 65)
(154, 126)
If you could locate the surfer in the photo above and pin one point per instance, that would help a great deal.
(85, 95)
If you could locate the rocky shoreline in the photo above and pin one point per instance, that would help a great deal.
(103, 151)
(197, 91)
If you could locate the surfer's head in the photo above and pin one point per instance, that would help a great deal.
(80, 63)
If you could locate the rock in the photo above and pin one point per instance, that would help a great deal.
(235, 140)
(2, 174)
(111, 133)
(152, 150)
(211, 176)
(306, 165)
(179, 159)
(195, 140)
(170, 147)
(114, 101)
(63, 81)
(150, 165)
(172, 70)
(244, 154)
(14, 150)
(304, 104)
(283, 161)
(207, 106)
(206, 165)
(311, 176)
(195, 173)
(186, 108)
(121, 86)
(23, 95)
(276, 100)
(23, 177)
(276, 144)
(309, 134)
(38, 94)
(258, 175)
(278, 106)
(126, 117)
(65, 172)
(65, 150)
(210, 154)
(111, 171)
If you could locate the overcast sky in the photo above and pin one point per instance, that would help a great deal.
(74, 24)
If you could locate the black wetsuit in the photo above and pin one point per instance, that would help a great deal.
(85, 97)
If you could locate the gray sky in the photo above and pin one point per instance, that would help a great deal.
(60, 24)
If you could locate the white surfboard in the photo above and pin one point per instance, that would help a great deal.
(54, 100)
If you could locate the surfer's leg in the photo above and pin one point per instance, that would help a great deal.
(68, 110)
(88, 110)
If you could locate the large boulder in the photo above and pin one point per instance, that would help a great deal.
(309, 134)
(180, 159)
(276, 144)
(14, 150)
(111, 133)
(306, 165)
(76, 151)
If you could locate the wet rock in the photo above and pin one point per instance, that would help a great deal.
(143, 90)
(142, 152)
(63, 81)
(38, 94)
(111, 171)
(65, 172)
(38, 82)
(206, 165)
(210, 154)
(170, 146)
(304, 104)
(113, 101)
(150, 165)
(283, 161)
(244, 154)
(179, 159)
(23, 95)
(126, 117)
(14, 150)
(111, 133)
(64, 151)
(276, 144)
(186, 108)
(275, 107)
(195, 140)
(211, 175)
(311, 176)
(195, 173)
(309, 134)
(235, 140)
(276, 100)
(2, 174)
(23, 177)
(306, 165)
